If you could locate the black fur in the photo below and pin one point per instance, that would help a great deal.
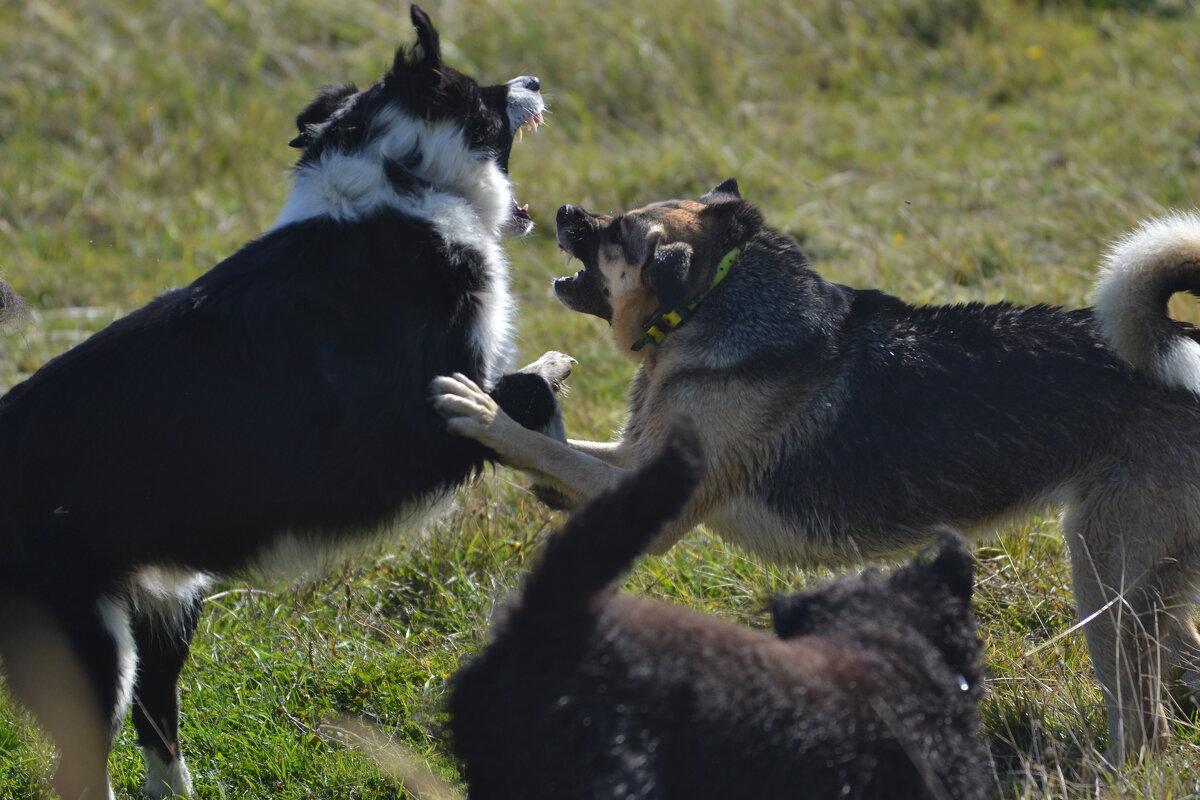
(850, 423)
(587, 694)
(285, 392)
(527, 398)
(1036, 380)
(328, 100)
(669, 274)
(423, 84)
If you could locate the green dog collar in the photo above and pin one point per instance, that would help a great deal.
(670, 320)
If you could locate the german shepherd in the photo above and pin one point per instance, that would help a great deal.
(845, 424)
(869, 688)
(275, 410)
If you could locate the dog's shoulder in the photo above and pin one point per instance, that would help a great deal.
(772, 304)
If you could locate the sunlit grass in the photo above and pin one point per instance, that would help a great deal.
(944, 151)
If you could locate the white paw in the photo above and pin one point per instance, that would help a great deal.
(165, 779)
(467, 409)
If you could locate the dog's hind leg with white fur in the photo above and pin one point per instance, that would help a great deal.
(1134, 584)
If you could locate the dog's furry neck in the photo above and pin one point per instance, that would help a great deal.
(724, 333)
(463, 199)
(454, 187)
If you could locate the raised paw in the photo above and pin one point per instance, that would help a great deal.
(554, 366)
(465, 407)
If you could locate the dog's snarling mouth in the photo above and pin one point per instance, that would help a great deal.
(584, 292)
(535, 121)
(526, 112)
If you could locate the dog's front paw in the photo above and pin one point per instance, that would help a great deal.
(467, 409)
(554, 366)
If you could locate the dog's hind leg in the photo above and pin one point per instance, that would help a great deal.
(1129, 590)
(163, 633)
(1185, 649)
(71, 661)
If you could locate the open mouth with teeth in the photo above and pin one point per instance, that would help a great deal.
(583, 291)
(520, 223)
(531, 125)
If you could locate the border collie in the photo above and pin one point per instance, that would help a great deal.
(274, 410)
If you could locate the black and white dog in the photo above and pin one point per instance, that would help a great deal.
(275, 408)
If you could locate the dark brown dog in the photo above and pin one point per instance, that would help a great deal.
(869, 691)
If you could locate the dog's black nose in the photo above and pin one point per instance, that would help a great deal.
(531, 83)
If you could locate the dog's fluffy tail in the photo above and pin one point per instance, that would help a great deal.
(1137, 276)
(602, 539)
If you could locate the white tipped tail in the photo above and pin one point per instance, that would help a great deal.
(1138, 275)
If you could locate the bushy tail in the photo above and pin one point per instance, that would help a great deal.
(602, 539)
(1138, 275)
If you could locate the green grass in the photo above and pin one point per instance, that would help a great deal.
(941, 150)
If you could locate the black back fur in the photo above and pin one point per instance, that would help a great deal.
(285, 390)
(923, 414)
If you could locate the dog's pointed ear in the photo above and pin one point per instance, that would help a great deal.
(309, 121)
(953, 566)
(791, 615)
(426, 54)
(725, 192)
(669, 273)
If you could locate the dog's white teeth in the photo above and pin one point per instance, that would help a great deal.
(530, 124)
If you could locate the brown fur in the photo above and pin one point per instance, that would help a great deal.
(844, 424)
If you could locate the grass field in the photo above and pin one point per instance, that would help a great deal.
(942, 150)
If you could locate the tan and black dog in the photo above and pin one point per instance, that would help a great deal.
(845, 424)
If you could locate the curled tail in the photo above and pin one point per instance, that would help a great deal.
(1137, 277)
(603, 538)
